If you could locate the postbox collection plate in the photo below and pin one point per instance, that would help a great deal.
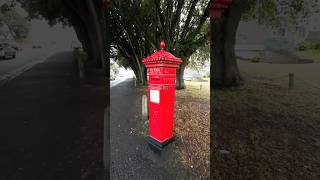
(154, 96)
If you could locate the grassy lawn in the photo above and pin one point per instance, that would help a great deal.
(196, 89)
(310, 54)
(303, 72)
(266, 132)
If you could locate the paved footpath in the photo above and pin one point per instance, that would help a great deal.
(131, 157)
(42, 113)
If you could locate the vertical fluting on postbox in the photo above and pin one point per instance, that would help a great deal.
(161, 73)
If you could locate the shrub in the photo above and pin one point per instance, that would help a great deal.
(255, 60)
(306, 45)
(206, 75)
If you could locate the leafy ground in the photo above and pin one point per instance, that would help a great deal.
(264, 131)
(192, 127)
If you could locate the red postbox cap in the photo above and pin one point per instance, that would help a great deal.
(162, 58)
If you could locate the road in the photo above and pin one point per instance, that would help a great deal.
(24, 57)
(118, 80)
(46, 115)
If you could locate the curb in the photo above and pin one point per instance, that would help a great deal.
(15, 73)
(106, 144)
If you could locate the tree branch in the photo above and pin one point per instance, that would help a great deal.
(159, 13)
(190, 14)
(175, 21)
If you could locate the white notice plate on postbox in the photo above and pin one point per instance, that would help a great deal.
(154, 96)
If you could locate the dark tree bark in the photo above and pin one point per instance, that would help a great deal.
(95, 31)
(224, 68)
(141, 75)
(85, 17)
(179, 79)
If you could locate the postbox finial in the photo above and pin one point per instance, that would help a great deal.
(162, 44)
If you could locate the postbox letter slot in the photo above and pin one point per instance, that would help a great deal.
(155, 79)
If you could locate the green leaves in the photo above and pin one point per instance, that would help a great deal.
(138, 26)
(52, 10)
(18, 26)
(275, 12)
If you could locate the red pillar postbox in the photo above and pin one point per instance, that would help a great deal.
(161, 67)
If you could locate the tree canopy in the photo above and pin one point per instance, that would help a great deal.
(138, 26)
(87, 17)
(200, 58)
(17, 26)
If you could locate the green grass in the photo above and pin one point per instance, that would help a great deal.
(207, 79)
(310, 54)
(307, 72)
(196, 89)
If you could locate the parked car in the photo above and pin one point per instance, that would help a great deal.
(6, 51)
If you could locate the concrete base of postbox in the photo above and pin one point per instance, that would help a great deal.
(157, 144)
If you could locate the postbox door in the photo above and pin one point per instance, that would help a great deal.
(161, 92)
(155, 114)
(167, 95)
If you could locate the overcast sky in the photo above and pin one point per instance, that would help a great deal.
(41, 32)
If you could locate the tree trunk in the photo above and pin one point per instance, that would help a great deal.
(107, 42)
(179, 79)
(88, 16)
(216, 53)
(97, 29)
(141, 75)
(224, 69)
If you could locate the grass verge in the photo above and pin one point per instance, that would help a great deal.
(263, 131)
